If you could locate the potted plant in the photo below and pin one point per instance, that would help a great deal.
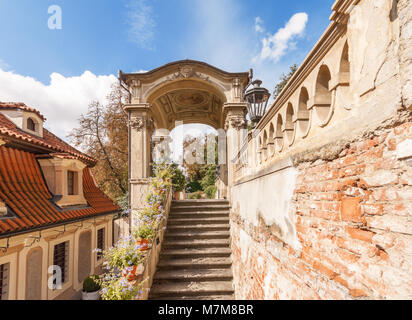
(91, 288)
(133, 272)
(143, 234)
(179, 183)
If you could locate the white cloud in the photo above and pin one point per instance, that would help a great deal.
(62, 101)
(275, 46)
(141, 22)
(259, 25)
(4, 65)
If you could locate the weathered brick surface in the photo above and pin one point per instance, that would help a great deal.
(354, 224)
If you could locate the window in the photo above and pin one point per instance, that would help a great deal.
(61, 259)
(31, 125)
(100, 243)
(4, 281)
(71, 183)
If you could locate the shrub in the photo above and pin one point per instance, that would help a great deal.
(194, 186)
(91, 284)
(178, 179)
(211, 192)
(210, 178)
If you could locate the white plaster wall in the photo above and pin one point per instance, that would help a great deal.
(269, 197)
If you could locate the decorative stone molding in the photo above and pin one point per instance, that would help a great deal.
(135, 88)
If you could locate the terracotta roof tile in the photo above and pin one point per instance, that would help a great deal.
(23, 189)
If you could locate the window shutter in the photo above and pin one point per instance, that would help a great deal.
(61, 259)
(100, 243)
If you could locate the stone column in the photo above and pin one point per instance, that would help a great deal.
(236, 131)
(139, 156)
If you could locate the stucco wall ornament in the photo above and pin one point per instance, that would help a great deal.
(186, 72)
(235, 123)
(137, 123)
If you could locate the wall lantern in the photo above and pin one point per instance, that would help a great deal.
(257, 99)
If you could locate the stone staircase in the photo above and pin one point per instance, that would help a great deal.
(195, 261)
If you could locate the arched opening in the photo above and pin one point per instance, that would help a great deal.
(303, 112)
(289, 125)
(279, 133)
(199, 151)
(31, 125)
(323, 97)
(344, 70)
(271, 142)
(265, 145)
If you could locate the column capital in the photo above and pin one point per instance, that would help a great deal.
(235, 115)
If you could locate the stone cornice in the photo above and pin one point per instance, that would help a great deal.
(148, 76)
(334, 31)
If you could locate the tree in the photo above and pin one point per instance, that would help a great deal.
(200, 174)
(284, 78)
(103, 134)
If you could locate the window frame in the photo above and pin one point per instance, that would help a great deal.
(30, 122)
(72, 189)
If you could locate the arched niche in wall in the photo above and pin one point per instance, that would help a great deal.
(260, 148)
(303, 114)
(289, 127)
(34, 274)
(344, 69)
(271, 142)
(279, 133)
(84, 255)
(323, 96)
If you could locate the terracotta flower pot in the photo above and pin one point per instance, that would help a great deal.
(179, 195)
(134, 273)
(144, 244)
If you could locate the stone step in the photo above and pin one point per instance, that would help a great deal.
(199, 227)
(197, 243)
(195, 263)
(204, 298)
(194, 275)
(178, 289)
(194, 221)
(176, 208)
(199, 203)
(196, 235)
(199, 215)
(195, 253)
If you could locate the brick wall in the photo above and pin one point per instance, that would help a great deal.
(354, 223)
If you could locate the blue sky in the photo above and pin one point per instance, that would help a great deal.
(45, 68)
